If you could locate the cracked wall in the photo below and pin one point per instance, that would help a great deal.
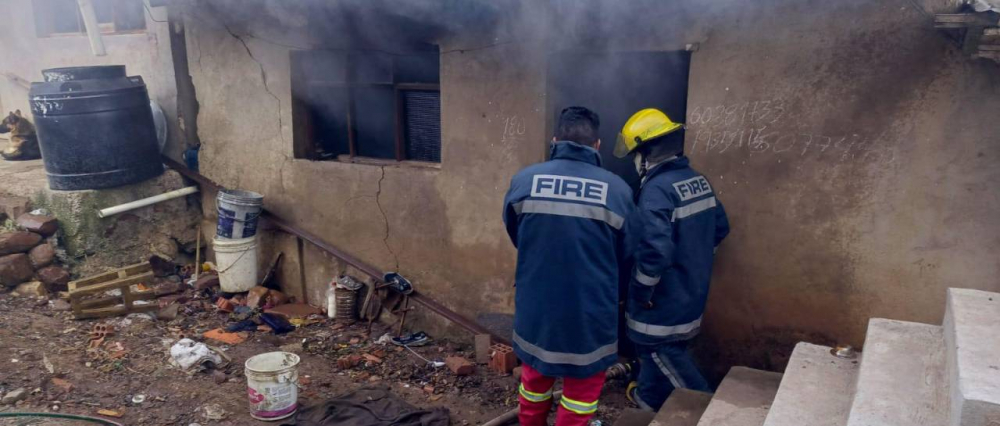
(440, 225)
(146, 54)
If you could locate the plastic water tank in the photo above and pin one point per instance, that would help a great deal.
(95, 128)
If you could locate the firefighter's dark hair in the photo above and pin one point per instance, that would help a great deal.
(578, 124)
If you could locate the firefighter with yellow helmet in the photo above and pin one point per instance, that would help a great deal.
(678, 224)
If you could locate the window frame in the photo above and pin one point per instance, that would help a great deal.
(45, 28)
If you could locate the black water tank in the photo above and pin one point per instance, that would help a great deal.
(95, 128)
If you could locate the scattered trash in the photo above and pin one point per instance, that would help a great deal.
(225, 337)
(348, 361)
(372, 406)
(435, 364)
(384, 340)
(62, 384)
(415, 339)
(244, 325)
(110, 413)
(187, 353)
(278, 323)
(138, 399)
(213, 412)
(372, 358)
(48, 364)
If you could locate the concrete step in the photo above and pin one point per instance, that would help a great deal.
(742, 399)
(902, 377)
(972, 338)
(816, 389)
(683, 408)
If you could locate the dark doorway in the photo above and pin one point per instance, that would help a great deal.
(616, 85)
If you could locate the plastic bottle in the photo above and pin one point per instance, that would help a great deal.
(331, 300)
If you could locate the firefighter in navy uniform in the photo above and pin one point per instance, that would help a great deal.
(567, 218)
(677, 225)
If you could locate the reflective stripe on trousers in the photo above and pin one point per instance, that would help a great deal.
(663, 330)
(578, 407)
(534, 396)
(553, 357)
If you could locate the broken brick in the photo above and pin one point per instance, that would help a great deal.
(257, 296)
(206, 282)
(63, 385)
(18, 242)
(460, 366)
(224, 305)
(39, 224)
(304, 380)
(349, 361)
(372, 358)
(222, 336)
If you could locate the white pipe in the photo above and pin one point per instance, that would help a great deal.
(93, 31)
(111, 211)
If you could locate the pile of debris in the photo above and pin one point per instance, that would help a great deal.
(28, 262)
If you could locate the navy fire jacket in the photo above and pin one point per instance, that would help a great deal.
(567, 218)
(673, 234)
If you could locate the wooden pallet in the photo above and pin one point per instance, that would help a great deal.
(83, 294)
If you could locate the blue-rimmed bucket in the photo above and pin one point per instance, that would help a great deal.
(238, 213)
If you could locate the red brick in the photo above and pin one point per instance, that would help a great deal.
(257, 296)
(18, 242)
(15, 269)
(44, 225)
(460, 366)
(503, 360)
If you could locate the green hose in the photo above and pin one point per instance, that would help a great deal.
(62, 416)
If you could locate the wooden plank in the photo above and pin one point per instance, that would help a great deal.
(116, 284)
(117, 311)
(115, 300)
(137, 268)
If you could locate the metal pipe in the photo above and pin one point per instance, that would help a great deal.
(111, 211)
(93, 30)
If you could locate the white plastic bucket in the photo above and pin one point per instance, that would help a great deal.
(272, 385)
(238, 213)
(237, 263)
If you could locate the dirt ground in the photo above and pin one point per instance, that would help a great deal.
(45, 351)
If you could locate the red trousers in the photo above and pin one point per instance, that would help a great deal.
(577, 405)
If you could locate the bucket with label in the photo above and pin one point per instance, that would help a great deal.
(238, 213)
(272, 385)
(236, 261)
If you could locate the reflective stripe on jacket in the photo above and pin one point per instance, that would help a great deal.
(673, 234)
(567, 218)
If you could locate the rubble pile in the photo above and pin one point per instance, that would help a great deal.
(28, 262)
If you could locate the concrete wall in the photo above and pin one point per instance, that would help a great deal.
(440, 225)
(25, 55)
(863, 186)
(852, 144)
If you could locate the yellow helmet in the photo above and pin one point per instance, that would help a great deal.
(643, 127)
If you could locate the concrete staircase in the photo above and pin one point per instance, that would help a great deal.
(910, 374)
